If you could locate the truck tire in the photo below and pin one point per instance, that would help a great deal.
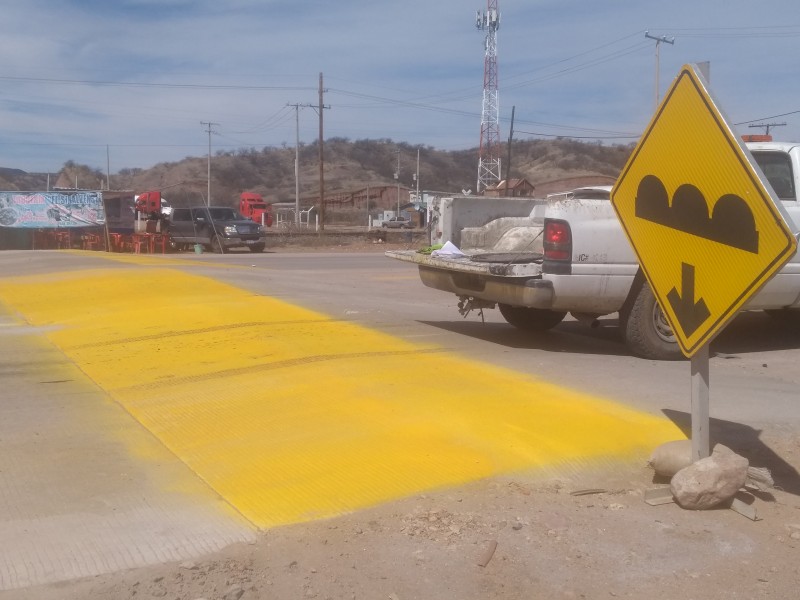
(256, 248)
(531, 319)
(646, 330)
(216, 245)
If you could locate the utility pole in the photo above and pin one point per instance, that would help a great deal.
(297, 165)
(416, 176)
(322, 107)
(209, 124)
(508, 159)
(297, 108)
(397, 178)
(767, 126)
(367, 205)
(658, 40)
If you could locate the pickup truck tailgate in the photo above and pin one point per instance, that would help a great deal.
(508, 278)
(503, 264)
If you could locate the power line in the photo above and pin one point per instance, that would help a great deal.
(202, 86)
(574, 56)
(777, 31)
(580, 137)
(282, 116)
(786, 114)
(276, 119)
(633, 49)
(377, 99)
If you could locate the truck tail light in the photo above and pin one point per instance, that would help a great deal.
(557, 240)
(557, 247)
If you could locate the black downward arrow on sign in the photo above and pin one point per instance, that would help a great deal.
(690, 314)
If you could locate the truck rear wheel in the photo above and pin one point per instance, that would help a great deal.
(531, 319)
(646, 330)
(256, 248)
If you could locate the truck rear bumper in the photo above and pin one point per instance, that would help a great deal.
(522, 291)
(584, 290)
(518, 284)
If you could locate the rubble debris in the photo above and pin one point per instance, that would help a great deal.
(759, 477)
(587, 492)
(742, 503)
(488, 553)
(658, 496)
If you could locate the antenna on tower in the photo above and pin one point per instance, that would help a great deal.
(489, 151)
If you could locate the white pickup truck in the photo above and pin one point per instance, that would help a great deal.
(539, 259)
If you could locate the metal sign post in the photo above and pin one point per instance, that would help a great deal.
(700, 418)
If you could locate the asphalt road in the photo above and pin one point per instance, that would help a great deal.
(754, 379)
(136, 419)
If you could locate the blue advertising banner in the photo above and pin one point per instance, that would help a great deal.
(50, 210)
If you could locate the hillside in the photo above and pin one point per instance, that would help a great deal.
(349, 165)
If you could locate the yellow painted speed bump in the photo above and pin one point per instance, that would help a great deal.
(291, 415)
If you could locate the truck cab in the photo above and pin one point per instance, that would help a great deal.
(254, 207)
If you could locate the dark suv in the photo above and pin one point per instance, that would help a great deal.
(215, 227)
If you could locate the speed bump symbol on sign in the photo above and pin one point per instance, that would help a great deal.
(705, 228)
(731, 222)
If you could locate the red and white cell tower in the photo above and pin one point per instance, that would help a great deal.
(489, 153)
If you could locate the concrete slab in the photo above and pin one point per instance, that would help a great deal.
(84, 488)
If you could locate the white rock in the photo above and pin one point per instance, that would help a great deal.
(710, 481)
(671, 457)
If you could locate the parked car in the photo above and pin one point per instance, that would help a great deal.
(398, 223)
(215, 227)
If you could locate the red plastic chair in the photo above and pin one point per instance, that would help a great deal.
(139, 241)
(64, 239)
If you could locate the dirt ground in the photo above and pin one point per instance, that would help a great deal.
(586, 535)
(575, 533)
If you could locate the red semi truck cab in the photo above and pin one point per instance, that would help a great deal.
(149, 203)
(253, 206)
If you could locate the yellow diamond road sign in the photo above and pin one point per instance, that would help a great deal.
(704, 225)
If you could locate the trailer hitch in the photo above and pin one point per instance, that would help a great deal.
(466, 304)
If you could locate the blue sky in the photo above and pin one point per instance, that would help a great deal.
(128, 83)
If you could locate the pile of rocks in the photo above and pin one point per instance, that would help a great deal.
(708, 482)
